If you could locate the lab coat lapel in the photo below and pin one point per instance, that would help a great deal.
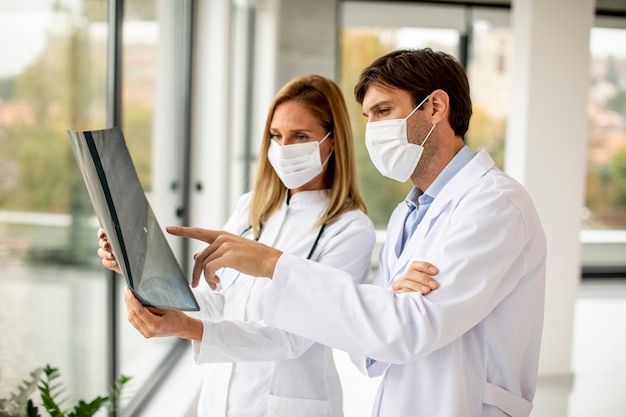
(454, 189)
(412, 248)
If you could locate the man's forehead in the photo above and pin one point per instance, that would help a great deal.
(378, 94)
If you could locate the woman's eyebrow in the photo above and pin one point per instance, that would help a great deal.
(298, 130)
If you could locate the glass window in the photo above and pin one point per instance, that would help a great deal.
(52, 289)
(604, 214)
(489, 73)
(53, 77)
(606, 163)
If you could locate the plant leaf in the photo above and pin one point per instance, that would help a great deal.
(116, 393)
(31, 410)
(49, 392)
(84, 409)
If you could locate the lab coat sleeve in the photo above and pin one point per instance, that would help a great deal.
(231, 341)
(480, 255)
(366, 365)
(347, 248)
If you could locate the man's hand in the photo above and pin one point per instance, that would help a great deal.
(154, 322)
(418, 278)
(226, 250)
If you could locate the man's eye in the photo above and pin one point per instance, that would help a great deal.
(383, 112)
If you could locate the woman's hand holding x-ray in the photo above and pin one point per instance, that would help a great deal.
(106, 252)
(150, 322)
(154, 322)
(226, 250)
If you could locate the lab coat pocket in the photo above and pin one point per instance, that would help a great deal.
(301, 407)
(512, 404)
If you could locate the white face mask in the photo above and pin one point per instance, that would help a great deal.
(389, 147)
(297, 164)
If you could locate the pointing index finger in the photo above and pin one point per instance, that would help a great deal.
(197, 233)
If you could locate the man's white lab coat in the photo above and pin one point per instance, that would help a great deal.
(469, 348)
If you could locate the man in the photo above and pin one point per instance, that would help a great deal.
(470, 348)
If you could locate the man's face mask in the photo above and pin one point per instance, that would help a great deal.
(389, 147)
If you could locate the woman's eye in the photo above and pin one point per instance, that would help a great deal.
(274, 136)
(302, 138)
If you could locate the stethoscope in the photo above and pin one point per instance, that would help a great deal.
(256, 238)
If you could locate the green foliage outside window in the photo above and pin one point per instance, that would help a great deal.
(64, 87)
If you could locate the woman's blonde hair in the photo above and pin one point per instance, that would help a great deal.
(324, 99)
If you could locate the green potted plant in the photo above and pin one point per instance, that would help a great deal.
(20, 404)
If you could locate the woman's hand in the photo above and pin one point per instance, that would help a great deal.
(154, 322)
(106, 252)
(418, 278)
(226, 250)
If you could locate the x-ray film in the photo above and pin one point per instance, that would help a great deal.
(142, 251)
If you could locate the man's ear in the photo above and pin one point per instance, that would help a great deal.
(440, 104)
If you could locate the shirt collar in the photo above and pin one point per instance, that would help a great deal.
(306, 198)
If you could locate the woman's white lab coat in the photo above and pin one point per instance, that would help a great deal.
(256, 370)
(469, 348)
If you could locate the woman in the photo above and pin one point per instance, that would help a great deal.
(306, 202)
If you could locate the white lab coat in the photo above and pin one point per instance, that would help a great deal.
(469, 348)
(256, 370)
